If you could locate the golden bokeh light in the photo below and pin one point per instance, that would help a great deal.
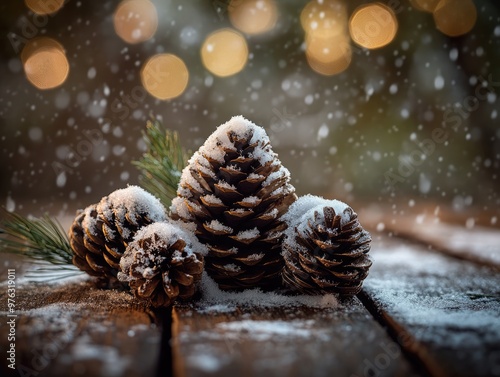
(164, 76)
(373, 25)
(425, 5)
(330, 68)
(44, 7)
(455, 17)
(325, 18)
(328, 50)
(45, 63)
(39, 43)
(328, 56)
(135, 21)
(253, 16)
(224, 52)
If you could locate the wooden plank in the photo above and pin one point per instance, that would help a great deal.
(76, 329)
(479, 244)
(445, 311)
(441, 229)
(229, 340)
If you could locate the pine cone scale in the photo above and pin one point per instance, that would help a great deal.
(186, 292)
(114, 250)
(96, 265)
(183, 278)
(90, 246)
(147, 288)
(112, 262)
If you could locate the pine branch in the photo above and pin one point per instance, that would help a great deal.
(42, 240)
(162, 164)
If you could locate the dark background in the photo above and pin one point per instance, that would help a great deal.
(371, 126)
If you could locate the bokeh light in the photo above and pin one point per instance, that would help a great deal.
(425, 5)
(329, 59)
(455, 17)
(253, 16)
(135, 21)
(373, 25)
(165, 76)
(224, 52)
(43, 7)
(328, 50)
(324, 18)
(45, 63)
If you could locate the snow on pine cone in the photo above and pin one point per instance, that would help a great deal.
(233, 192)
(325, 248)
(100, 233)
(163, 263)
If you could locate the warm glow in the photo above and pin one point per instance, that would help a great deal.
(253, 16)
(37, 44)
(455, 17)
(135, 21)
(224, 52)
(44, 6)
(324, 18)
(328, 56)
(165, 76)
(45, 63)
(328, 49)
(373, 25)
(425, 5)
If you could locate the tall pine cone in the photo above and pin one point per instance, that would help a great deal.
(325, 248)
(101, 232)
(163, 263)
(233, 192)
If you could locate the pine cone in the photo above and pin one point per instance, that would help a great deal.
(234, 192)
(101, 232)
(162, 263)
(325, 248)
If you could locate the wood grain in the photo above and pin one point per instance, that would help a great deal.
(77, 329)
(445, 311)
(289, 341)
(480, 245)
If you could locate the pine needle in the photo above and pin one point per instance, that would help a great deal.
(162, 164)
(42, 240)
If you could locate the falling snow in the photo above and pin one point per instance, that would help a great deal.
(339, 135)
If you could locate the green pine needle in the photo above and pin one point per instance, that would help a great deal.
(162, 164)
(42, 240)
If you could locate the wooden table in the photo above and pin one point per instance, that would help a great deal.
(430, 307)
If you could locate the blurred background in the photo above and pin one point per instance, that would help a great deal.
(391, 106)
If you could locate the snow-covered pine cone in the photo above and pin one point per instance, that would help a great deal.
(163, 263)
(234, 192)
(325, 247)
(100, 233)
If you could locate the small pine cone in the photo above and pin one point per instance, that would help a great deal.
(163, 263)
(325, 248)
(234, 192)
(100, 233)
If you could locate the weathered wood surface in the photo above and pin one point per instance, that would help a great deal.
(443, 230)
(445, 311)
(480, 245)
(292, 341)
(77, 329)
